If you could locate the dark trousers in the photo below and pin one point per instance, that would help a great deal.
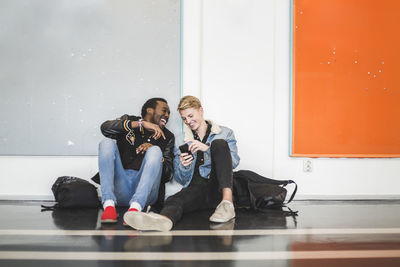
(207, 195)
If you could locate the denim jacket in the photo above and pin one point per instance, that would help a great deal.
(183, 175)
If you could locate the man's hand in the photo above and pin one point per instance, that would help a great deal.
(143, 148)
(186, 159)
(153, 128)
(197, 145)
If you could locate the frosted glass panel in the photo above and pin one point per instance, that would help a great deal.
(66, 66)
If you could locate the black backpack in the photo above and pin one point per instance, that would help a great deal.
(73, 192)
(260, 193)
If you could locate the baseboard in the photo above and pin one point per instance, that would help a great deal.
(27, 197)
(347, 197)
(298, 197)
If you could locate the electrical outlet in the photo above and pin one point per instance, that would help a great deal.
(307, 165)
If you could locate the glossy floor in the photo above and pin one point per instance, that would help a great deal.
(325, 233)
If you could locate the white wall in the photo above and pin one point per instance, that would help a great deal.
(244, 84)
(236, 59)
(32, 177)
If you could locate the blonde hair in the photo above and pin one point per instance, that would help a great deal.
(189, 102)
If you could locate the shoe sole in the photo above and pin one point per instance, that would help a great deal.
(146, 222)
(221, 220)
(109, 221)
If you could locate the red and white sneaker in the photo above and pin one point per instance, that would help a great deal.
(109, 215)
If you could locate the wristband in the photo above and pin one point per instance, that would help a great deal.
(140, 125)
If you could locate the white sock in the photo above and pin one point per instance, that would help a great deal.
(108, 202)
(135, 205)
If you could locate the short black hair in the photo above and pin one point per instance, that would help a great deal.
(151, 103)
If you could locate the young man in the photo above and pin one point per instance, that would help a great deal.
(205, 173)
(137, 152)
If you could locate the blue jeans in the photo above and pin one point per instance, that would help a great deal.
(127, 186)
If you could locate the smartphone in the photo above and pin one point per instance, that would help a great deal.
(185, 149)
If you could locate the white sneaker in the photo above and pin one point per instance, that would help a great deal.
(224, 212)
(147, 221)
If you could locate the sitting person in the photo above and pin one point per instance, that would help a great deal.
(135, 156)
(205, 173)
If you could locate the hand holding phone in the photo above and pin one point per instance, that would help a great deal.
(188, 158)
(185, 149)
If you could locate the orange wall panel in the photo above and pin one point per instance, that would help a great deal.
(346, 78)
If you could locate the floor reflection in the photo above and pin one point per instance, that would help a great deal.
(319, 236)
(75, 219)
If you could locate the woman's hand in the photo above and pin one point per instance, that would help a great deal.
(186, 159)
(196, 145)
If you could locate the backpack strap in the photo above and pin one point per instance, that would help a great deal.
(294, 191)
(279, 211)
(292, 214)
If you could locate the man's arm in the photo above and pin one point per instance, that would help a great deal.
(168, 164)
(182, 174)
(122, 125)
